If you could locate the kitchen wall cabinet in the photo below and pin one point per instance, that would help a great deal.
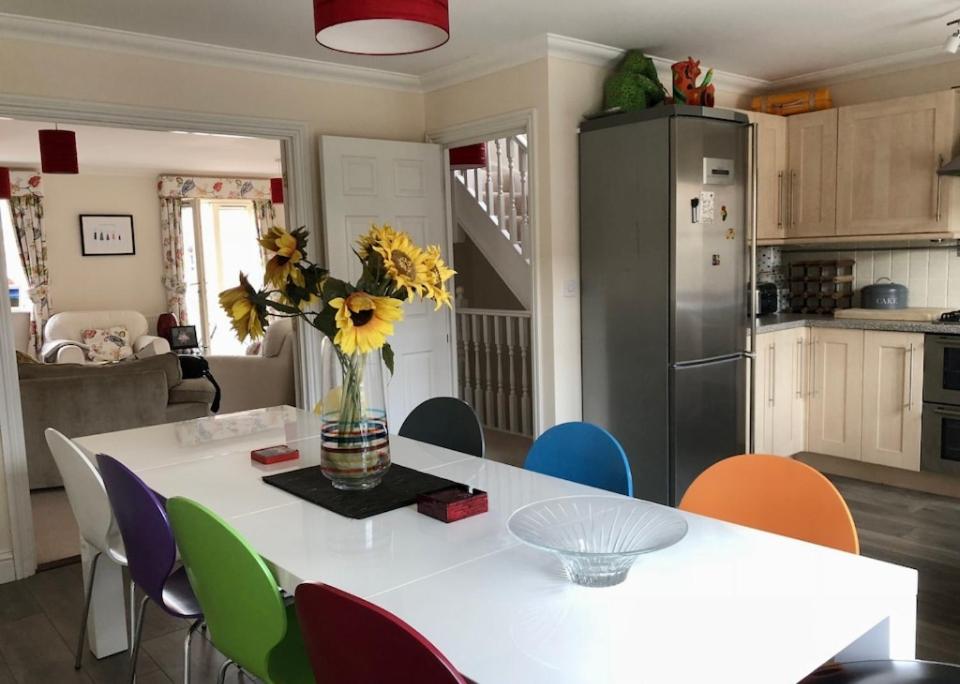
(780, 389)
(811, 179)
(892, 398)
(835, 392)
(771, 174)
(888, 155)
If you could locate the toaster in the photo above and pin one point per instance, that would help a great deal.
(767, 296)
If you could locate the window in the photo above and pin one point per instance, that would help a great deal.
(219, 241)
(16, 278)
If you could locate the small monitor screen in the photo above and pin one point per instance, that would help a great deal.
(183, 337)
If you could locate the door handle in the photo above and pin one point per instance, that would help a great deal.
(799, 368)
(771, 375)
(910, 383)
(780, 200)
(939, 186)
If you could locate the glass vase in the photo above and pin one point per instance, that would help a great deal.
(355, 447)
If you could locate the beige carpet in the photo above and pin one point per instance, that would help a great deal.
(54, 526)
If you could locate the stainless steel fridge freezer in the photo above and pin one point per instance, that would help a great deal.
(666, 253)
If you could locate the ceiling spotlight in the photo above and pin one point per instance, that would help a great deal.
(953, 41)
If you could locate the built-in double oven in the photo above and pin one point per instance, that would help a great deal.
(940, 443)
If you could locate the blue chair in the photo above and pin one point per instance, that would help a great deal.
(584, 453)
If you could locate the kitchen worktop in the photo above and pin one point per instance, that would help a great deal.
(783, 321)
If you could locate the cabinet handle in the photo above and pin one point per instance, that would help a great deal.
(771, 375)
(780, 200)
(813, 367)
(939, 186)
(799, 368)
(793, 178)
(910, 383)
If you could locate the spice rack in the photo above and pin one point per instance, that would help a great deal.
(821, 286)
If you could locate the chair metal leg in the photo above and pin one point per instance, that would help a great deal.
(133, 616)
(86, 611)
(186, 650)
(222, 674)
(134, 652)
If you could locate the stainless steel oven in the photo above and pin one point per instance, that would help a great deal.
(940, 441)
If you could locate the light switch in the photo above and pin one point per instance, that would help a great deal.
(570, 287)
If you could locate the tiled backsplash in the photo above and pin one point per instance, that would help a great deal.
(932, 276)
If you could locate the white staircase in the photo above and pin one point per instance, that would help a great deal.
(491, 205)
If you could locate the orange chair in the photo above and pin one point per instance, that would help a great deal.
(775, 494)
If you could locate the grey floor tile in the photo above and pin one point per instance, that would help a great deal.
(167, 651)
(16, 603)
(36, 654)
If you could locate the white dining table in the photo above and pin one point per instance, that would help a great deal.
(725, 604)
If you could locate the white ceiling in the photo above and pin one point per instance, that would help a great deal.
(107, 150)
(757, 38)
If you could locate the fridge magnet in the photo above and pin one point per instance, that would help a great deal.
(106, 234)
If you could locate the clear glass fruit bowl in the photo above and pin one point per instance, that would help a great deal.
(597, 538)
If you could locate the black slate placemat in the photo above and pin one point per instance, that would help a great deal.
(399, 488)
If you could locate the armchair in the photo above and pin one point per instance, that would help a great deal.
(62, 334)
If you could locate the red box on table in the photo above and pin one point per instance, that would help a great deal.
(274, 454)
(455, 503)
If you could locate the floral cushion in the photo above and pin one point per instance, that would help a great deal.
(107, 344)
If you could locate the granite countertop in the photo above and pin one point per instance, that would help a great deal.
(783, 321)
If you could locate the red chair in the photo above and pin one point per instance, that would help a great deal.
(352, 641)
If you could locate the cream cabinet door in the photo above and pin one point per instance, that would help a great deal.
(763, 394)
(771, 174)
(835, 392)
(892, 398)
(811, 182)
(887, 164)
(789, 400)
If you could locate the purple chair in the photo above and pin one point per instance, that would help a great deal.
(141, 516)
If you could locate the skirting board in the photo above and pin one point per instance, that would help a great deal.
(932, 483)
(8, 572)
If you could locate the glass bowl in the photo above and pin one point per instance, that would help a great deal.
(597, 538)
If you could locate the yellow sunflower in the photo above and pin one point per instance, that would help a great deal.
(364, 321)
(438, 273)
(287, 251)
(405, 263)
(246, 316)
(374, 237)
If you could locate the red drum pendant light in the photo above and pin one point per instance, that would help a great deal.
(276, 190)
(381, 27)
(58, 151)
(469, 156)
(6, 191)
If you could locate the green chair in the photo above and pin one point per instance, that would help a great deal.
(246, 616)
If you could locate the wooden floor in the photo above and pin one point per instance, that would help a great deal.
(921, 531)
(39, 616)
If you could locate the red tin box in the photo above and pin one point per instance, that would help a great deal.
(452, 504)
(274, 454)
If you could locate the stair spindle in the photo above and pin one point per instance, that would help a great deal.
(478, 403)
(526, 405)
(490, 190)
(512, 399)
(463, 330)
(501, 422)
(501, 205)
(512, 197)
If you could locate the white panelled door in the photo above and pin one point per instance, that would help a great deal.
(400, 183)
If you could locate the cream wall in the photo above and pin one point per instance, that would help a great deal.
(103, 282)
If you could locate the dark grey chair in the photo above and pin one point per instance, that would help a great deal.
(886, 672)
(445, 422)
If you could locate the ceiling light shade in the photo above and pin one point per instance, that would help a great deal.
(276, 190)
(6, 192)
(952, 44)
(469, 156)
(381, 27)
(58, 151)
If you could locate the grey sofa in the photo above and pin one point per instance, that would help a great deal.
(81, 400)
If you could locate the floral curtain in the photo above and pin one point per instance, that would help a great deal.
(171, 241)
(27, 212)
(213, 188)
(266, 218)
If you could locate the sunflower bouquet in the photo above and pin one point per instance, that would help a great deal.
(358, 318)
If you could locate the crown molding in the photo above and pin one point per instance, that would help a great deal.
(514, 54)
(19, 27)
(866, 68)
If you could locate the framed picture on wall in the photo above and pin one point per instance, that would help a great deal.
(106, 234)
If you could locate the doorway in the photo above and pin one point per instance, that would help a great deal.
(20, 560)
(491, 191)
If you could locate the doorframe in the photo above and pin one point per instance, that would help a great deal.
(480, 130)
(300, 208)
